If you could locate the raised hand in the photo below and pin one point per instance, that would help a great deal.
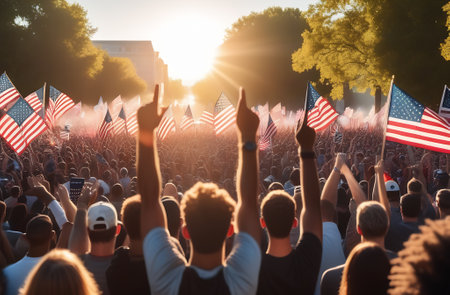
(150, 114)
(247, 121)
(38, 189)
(340, 160)
(305, 136)
(379, 167)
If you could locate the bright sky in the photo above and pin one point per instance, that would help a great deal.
(185, 32)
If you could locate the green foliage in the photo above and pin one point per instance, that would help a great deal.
(49, 41)
(256, 54)
(363, 43)
(445, 47)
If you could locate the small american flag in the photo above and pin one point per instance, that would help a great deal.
(167, 125)
(21, 125)
(106, 127)
(58, 104)
(225, 114)
(207, 118)
(132, 126)
(119, 123)
(65, 133)
(36, 99)
(412, 123)
(444, 108)
(8, 93)
(320, 113)
(187, 120)
(266, 140)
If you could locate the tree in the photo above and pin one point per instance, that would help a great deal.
(256, 54)
(363, 43)
(49, 41)
(174, 90)
(446, 46)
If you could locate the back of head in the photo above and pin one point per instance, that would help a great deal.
(366, 271)
(410, 205)
(15, 191)
(372, 219)
(443, 199)
(173, 213)
(85, 172)
(131, 217)
(295, 177)
(102, 222)
(17, 217)
(275, 186)
(278, 211)
(423, 265)
(116, 192)
(207, 212)
(39, 230)
(60, 272)
(393, 191)
(415, 186)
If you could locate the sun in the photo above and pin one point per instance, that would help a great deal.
(187, 44)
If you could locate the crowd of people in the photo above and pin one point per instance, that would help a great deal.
(200, 214)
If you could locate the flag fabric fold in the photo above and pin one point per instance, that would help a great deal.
(120, 122)
(187, 120)
(444, 107)
(167, 125)
(8, 93)
(58, 104)
(320, 112)
(266, 139)
(131, 122)
(21, 125)
(224, 114)
(207, 118)
(106, 128)
(411, 123)
(36, 99)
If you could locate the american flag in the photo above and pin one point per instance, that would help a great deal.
(320, 113)
(8, 93)
(444, 108)
(132, 126)
(207, 118)
(167, 125)
(65, 133)
(225, 114)
(187, 120)
(21, 125)
(58, 104)
(266, 140)
(119, 123)
(36, 99)
(107, 127)
(412, 123)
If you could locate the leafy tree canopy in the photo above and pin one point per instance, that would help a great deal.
(446, 45)
(49, 41)
(364, 42)
(256, 54)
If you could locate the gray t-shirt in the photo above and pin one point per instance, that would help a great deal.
(165, 264)
(98, 265)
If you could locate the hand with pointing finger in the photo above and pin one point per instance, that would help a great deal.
(150, 115)
(247, 121)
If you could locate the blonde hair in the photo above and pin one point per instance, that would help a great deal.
(60, 272)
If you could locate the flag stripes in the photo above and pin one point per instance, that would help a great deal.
(8, 93)
(106, 127)
(166, 126)
(207, 118)
(187, 120)
(131, 123)
(320, 113)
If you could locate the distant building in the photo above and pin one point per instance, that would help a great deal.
(149, 66)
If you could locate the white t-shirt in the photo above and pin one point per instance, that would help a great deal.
(15, 274)
(165, 264)
(332, 252)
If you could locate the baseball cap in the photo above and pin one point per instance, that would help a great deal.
(102, 215)
(392, 186)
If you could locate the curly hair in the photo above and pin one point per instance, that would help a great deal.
(423, 266)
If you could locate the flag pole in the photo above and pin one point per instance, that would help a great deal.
(388, 103)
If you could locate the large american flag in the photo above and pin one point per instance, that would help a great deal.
(444, 108)
(119, 123)
(187, 120)
(207, 118)
(106, 127)
(320, 113)
(167, 125)
(8, 93)
(36, 99)
(266, 139)
(224, 114)
(132, 126)
(58, 104)
(21, 125)
(412, 123)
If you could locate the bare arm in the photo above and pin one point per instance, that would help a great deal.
(79, 241)
(357, 193)
(329, 192)
(148, 171)
(247, 172)
(379, 171)
(66, 203)
(311, 217)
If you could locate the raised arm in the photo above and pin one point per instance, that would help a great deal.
(148, 171)
(357, 193)
(78, 240)
(382, 194)
(311, 217)
(328, 199)
(247, 173)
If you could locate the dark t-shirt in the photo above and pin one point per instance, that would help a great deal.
(97, 266)
(295, 273)
(399, 233)
(127, 274)
(193, 284)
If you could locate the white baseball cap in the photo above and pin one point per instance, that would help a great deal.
(392, 186)
(102, 215)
